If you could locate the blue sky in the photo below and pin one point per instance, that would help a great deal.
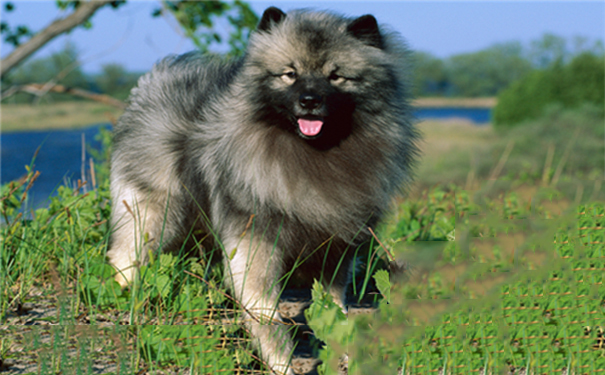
(130, 36)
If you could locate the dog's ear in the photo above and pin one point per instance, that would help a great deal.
(271, 17)
(365, 28)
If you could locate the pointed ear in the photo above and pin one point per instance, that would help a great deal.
(271, 17)
(365, 28)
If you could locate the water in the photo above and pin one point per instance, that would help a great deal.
(479, 116)
(60, 156)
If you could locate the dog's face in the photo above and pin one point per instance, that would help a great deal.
(313, 103)
(312, 73)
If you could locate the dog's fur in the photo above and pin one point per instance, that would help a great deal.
(209, 144)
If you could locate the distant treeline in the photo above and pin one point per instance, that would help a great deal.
(478, 74)
(488, 71)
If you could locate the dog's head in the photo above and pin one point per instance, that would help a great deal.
(312, 71)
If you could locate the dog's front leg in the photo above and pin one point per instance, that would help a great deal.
(253, 268)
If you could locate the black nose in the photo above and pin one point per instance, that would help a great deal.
(310, 101)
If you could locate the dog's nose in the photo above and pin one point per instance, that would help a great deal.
(310, 101)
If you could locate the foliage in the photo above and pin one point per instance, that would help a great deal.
(62, 67)
(196, 15)
(547, 50)
(17, 34)
(544, 321)
(63, 64)
(535, 303)
(547, 319)
(490, 70)
(550, 49)
(570, 85)
(197, 18)
(330, 325)
(115, 81)
(13, 35)
(430, 77)
(60, 249)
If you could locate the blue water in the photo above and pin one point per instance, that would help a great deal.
(60, 156)
(59, 159)
(479, 116)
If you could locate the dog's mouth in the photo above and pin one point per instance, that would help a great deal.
(310, 127)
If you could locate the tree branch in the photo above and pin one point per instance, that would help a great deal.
(57, 27)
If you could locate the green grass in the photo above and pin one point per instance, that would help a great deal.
(520, 286)
(563, 149)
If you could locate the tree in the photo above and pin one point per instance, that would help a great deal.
(190, 15)
(82, 12)
(114, 80)
(430, 77)
(547, 50)
(569, 85)
(488, 71)
(62, 66)
(197, 20)
(586, 79)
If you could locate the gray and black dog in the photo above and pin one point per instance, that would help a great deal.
(309, 133)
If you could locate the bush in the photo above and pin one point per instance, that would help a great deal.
(580, 81)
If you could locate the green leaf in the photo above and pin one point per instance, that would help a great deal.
(383, 284)
(163, 285)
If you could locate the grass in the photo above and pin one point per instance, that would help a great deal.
(521, 286)
(562, 149)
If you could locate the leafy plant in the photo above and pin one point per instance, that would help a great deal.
(580, 81)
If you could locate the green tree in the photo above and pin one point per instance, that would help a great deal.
(61, 67)
(197, 18)
(547, 50)
(585, 78)
(114, 80)
(570, 85)
(488, 71)
(430, 78)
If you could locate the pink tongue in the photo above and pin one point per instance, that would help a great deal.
(310, 127)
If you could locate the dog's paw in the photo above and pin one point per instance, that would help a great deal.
(343, 365)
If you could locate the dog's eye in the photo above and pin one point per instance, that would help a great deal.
(336, 78)
(289, 77)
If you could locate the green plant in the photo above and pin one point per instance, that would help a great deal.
(580, 81)
(541, 316)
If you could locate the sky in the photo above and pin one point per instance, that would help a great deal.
(131, 37)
